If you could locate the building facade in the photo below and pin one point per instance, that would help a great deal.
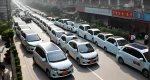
(3, 9)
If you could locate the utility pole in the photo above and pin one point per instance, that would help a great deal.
(8, 16)
(149, 48)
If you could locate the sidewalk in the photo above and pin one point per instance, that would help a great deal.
(140, 42)
(8, 72)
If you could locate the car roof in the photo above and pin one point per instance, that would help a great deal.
(116, 37)
(105, 33)
(24, 27)
(58, 30)
(138, 47)
(94, 29)
(79, 41)
(85, 24)
(28, 31)
(49, 46)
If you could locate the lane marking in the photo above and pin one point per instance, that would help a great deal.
(95, 74)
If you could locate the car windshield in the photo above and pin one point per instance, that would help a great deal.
(85, 48)
(59, 34)
(122, 42)
(146, 56)
(56, 56)
(52, 19)
(87, 27)
(107, 36)
(31, 38)
(96, 32)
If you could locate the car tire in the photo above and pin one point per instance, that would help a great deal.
(145, 73)
(120, 60)
(96, 43)
(48, 73)
(68, 54)
(34, 62)
(78, 61)
(105, 49)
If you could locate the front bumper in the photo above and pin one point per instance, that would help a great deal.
(89, 62)
(30, 48)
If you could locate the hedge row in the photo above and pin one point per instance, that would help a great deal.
(17, 62)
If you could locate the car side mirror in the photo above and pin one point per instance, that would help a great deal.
(141, 59)
(43, 59)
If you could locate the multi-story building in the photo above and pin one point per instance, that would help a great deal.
(129, 15)
(3, 9)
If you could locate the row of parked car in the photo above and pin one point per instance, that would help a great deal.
(134, 54)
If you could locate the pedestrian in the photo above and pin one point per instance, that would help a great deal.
(146, 39)
(132, 38)
(129, 37)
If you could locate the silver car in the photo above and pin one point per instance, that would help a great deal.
(52, 60)
(30, 39)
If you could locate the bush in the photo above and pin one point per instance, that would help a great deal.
(19, 78)
(8, 33)
(18, 68)
(14, 51)
(3, 27)
(17, 62)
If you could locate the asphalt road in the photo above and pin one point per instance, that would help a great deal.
(107, 68)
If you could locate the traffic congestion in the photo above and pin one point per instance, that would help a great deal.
(76, 40)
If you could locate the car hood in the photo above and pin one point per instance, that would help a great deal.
(89, 55)
(34, 43)
(61, 65)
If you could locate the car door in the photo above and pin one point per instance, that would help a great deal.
(114, 48)
(18, 29)
(53, 36)
(38, 56)
(100, 40)
(89, 34)
(23, 39)
(136, 59)
(80, 30)
(63, 42)
(72, 49)
(126, 54)
(44, 64)
(49, 31)
(108, 44)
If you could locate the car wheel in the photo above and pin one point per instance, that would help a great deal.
(145, 73)
(68, 54)
(105, 49)
(34, 62)
(96, 43)
(78, 61)
(120, 60)
(48, 73)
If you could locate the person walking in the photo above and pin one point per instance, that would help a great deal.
(146, 39)
(129, 37)
(132, 38)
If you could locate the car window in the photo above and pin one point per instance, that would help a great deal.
(107, 36)
(87, 27)
(59, 34)
(101, 36)
(146, 56)
(85, 48)
(63, 38)
(73, 45)
(110, 40)
(19, 28)
(31, 38)
(24, 35)
(89, 31)
(81, 27)
(96, 32)
(49, 28)
(53, 32)
(40, 52)
(122, 42)
(56, 56)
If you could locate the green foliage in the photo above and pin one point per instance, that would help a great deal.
(18, 68)
(9, 33)
(19, 78)
(19, 75)
(14, 51)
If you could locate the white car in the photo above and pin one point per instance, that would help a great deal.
(74, 27)
(68, 25)
(20, 28)
(50, 28)
(56, 34)
(65, 38)
(136, 56)
(82, 30)
(99, 40)
(61, 22)
(52, 60)
(43, 23)
(48, 24)
(91, 33)
(30, 39)
(82, 52)
(114, 44)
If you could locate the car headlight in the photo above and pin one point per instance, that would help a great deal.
(55, 69)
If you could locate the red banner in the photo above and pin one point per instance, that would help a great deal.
(80, 8)
(122, 14)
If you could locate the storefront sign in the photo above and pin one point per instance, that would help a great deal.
(139, 15)
(122, 14)
(80, 8)
(98, 11)
(146, 17)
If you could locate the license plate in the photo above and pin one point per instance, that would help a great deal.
(65, 72)
(92, 61)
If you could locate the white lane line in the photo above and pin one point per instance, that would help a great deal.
(95, 74)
